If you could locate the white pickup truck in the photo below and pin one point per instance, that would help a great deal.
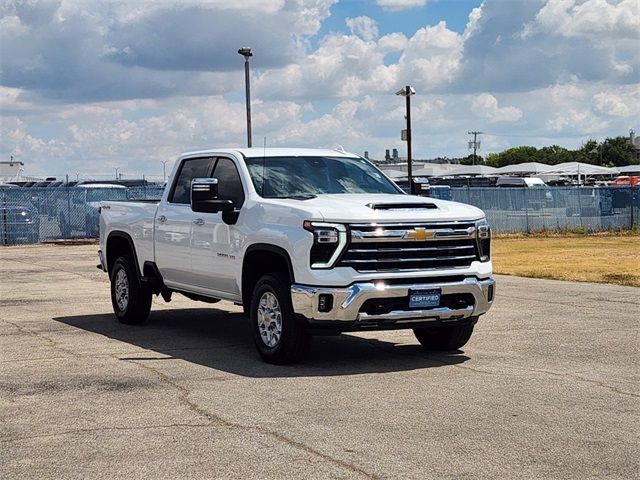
(308, 241)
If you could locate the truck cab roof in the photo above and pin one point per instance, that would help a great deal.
(256, 152)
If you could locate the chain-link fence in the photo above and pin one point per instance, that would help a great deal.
(32, 215)
(585, 208)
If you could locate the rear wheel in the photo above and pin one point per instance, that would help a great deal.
(451, 337)
(279, 337)
(130, 298)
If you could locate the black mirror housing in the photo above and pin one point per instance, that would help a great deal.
(204, 197)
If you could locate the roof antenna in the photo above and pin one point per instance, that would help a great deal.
(340, 149)
(264, 161)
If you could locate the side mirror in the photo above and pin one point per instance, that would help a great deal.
(204, 197)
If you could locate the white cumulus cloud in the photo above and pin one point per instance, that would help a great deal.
(486, 106)
(364, 27)
(400, 4)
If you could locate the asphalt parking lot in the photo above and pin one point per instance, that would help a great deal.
(548, 387)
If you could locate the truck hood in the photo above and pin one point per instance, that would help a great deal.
(356, 208)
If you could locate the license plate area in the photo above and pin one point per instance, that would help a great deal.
(424, 298)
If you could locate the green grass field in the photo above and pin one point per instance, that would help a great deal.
(602, 258)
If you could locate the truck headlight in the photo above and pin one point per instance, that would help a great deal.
(329, 241)
(483, 239)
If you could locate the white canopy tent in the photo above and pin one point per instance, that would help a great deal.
(434, 171)
(394, 173)
(471, 170)
(527, 168)
(630, 170)
(580, 170)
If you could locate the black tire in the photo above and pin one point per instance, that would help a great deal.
(294, 340)
(136, 308)
(451, 337)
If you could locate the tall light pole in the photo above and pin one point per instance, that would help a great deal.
(116, 169)
(164, 169)
(246, 53)
(406, 92)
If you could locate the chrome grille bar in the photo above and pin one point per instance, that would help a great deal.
(385, 235)
(410, 246)
(414, 259)
(401, 250)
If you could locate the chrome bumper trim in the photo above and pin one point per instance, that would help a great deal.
(347, 301)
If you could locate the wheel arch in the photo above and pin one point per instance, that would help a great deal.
(260, 259)
(118, 244)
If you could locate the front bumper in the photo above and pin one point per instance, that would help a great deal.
(348, 302)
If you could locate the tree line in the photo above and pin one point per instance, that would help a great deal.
(613, 152)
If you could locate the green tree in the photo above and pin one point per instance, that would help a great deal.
(468, 160)
(515, 155)
(554, 155)
(618, 151)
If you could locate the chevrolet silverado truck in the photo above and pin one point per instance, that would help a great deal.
(308, 241)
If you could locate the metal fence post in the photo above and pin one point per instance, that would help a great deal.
(67, 230)
(5, 227)
(632, 196)
(526, 209)
(580, 204)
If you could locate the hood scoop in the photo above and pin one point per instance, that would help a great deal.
(402, 206)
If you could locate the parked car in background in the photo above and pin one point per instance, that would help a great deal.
(539, 194)
(528, 182)
(76, 215)
(19, 223)
(626, 181)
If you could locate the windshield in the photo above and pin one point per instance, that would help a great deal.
(281, 177)
(98, 194)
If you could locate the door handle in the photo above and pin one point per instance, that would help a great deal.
(162, 219)
(198, 221)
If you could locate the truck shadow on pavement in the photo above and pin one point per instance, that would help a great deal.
(221, 340)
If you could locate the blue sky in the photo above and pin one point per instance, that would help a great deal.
(407, 21)
(88, 86)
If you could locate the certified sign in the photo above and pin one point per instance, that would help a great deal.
(424, 298)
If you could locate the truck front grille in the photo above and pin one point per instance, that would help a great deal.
(402, 247)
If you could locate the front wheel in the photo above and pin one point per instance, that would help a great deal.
(131, 299)
(451, 337)
(279, 337)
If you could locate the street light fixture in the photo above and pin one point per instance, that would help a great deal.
(246, 53)
(407, 92)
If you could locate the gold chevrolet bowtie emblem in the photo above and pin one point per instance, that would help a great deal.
(420, 234)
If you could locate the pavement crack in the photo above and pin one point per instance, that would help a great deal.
(55, 345)
(216, 419)
(583, 379)
(102, 429)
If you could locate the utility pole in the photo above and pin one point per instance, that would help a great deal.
(116, 169)
(246, 53)
(475, 144)
(406, 92)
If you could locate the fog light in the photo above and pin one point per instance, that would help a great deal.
(325, 302)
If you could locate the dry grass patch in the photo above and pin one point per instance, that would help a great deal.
(603, 258)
